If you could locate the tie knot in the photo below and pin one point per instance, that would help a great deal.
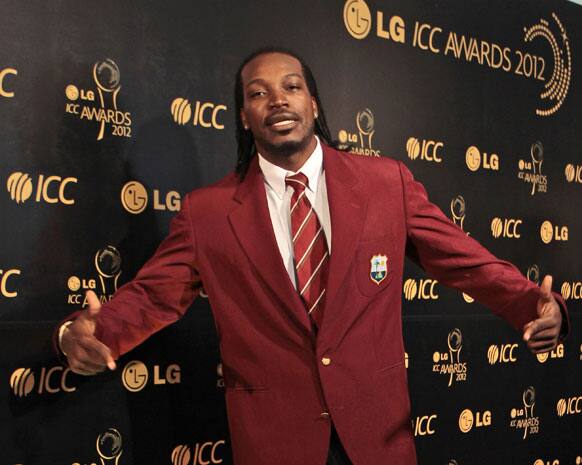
(298, 182)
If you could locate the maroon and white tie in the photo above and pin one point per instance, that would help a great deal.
(311, 256)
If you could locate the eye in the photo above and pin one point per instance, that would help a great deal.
(257, 93)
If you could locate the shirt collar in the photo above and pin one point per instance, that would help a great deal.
(275, 175)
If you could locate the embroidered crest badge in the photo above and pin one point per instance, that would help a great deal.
(378, 268)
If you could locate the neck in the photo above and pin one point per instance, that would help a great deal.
(289, 161)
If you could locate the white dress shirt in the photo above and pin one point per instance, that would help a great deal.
(279, 199)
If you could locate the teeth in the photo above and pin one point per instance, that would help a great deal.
(283, 123)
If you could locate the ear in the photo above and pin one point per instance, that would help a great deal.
(243, 119)
(314, 106)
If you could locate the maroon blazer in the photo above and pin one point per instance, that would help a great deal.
(281, 396)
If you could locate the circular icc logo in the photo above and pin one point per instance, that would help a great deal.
(181, 455)
(72, 92)
(181, 110)
(496, 227)
(546, 232)
(468, 298)
(570, 172)
(109, 444)
(134, 197)
(466, 421)
(539, 462)
(74, 284)
(357, 18)
(561, 407)
(493, 354)
(566, 291)
(473, 158)
(22, 382)
(134, 376)
(413, 148)
(20, 186)
(410, 289)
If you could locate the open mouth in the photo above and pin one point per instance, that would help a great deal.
(282, 121)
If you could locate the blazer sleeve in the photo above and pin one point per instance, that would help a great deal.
(160, 293)
(458, 261)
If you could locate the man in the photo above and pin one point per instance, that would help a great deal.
(303, 270)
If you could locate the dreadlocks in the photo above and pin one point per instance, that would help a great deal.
(245, 141)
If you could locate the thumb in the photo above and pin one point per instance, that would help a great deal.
(94, 306)
(546, 289)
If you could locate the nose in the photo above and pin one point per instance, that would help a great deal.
(278, 99)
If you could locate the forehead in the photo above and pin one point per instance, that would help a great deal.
(270, 66)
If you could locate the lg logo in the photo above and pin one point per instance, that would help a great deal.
(475, 160)
(135, 375)
(49, 189)
(135, 198)
(358, 22)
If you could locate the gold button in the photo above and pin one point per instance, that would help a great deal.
(324, 415)
(326, 361)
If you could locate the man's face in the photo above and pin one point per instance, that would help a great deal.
(278, 108)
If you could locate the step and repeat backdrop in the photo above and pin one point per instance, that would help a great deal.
(112, 111)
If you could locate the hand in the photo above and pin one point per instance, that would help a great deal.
(542, 334)
(85, 353)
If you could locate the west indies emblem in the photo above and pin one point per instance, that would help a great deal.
(378, 268)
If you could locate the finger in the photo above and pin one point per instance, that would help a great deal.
(546, 334)
(94, 306)
(546, 289)
(101, 353)
(541, 347)
(538, 325)
(81, 370)
(86, 364)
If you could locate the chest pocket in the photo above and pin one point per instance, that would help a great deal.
(374, 265)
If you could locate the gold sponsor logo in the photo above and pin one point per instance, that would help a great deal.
(110, 446)
(555, 90)
(360, 143)
(550, 232)
(450, 363)
(530, 172)
(571, 290)
(474, 160)
(107, 263)
(573, 173)
(134, 198)
(49, 189)
(547, 462)
(84, 105)
(422, 289)
(206, 114)
(533, 274)
(6, 285)
(506, 228)
(424, 425)
(200, 454)
(358, 21)
(406, 360)
(502, 353)
(50, 381)
(427, 150)
(523, 418)
(468, 420)
(4, 88)
(569, 406)
(558, 352)
(135, 375)
(458, 213)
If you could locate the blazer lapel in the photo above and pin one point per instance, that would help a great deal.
(347, 200)
(252, 226)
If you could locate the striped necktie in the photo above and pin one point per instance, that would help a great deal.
(311, 256)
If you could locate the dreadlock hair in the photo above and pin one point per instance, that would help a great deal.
(245, 140)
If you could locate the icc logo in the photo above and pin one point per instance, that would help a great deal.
(423, 426)
(568, 290)
(547, 462)
(473, 159)
(573, 173)
(205, 114)
(134, 198)
(358, 22)
(204, 454)
(135, 375)
(427, 150)
(506, 227)
(549, 232)
(570, 406)
(424, 290)
(4, 92)
(5, 289)
(501, 354)
(51, 381)
(50, 189)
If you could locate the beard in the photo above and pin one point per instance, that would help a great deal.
(290, 147)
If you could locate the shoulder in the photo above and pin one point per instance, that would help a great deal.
(218, 192)
(370, 167)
